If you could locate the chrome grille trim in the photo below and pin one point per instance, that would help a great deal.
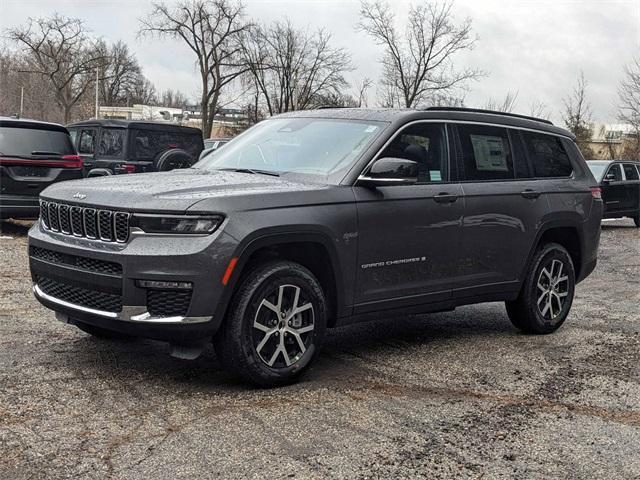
(85, 222)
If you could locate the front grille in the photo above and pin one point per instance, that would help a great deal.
(168, 303)
(105, 225)
(84, 297)
(84, 263)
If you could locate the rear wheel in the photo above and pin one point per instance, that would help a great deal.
(276, 324)
(547, 293)
(636, 220)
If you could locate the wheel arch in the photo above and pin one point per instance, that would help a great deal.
(564, 231)
(313, 250)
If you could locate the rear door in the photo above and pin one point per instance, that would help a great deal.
(503, 205)
(33, 157)
(632, 187)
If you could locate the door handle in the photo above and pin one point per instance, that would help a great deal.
(445, 197)
(528, 193)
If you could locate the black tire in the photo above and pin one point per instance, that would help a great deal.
(247, 350)
(102, 333)
(173, 159)
(525, 312)
(636, 220)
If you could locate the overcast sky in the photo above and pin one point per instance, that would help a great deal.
(535, 48)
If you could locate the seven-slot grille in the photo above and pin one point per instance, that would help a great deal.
(105, 225)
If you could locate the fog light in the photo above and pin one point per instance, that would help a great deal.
(164, 285)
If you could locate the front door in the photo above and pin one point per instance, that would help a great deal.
(409, 235)
(613, 190)
(632, 188)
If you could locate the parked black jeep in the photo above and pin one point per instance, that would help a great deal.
(111, 147)
(316, 219)
(620, 184)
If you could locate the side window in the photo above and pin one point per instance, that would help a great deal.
(111, 142)
(630, 171)
(485, 153)
(547, 154)
(614, 173)
(425, 144)
(73, 133)
(86, 144)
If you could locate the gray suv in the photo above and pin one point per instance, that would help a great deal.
(316, 219)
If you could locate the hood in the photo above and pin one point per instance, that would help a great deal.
(168, 191)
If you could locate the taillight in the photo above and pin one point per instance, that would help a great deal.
(66, 161)
(128, 168)
(596, 192)
(72, 161)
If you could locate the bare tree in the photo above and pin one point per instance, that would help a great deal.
(420, 63)
(507, 105)
(539, 109)
(363, 86)
(292, 69)
(211, 30)
(118, 75)
(629, 93)
(59, 49)
(143, 92)
(174, 99)
(577, 116)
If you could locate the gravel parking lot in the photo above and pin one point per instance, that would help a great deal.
(454, 394)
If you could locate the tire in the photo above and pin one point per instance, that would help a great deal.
(101, 333)
(173, 159)
(539, 308)
(636, 220)
(256, 353)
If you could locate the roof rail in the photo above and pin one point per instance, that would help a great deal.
(491, 112)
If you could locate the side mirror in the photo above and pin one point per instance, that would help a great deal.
(390, 171)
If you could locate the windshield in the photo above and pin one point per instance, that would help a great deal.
(311, 146)
(598, 168)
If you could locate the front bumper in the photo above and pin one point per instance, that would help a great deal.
(95, 282)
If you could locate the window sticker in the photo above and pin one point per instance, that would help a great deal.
(490, 153)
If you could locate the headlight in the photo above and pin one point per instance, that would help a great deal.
(178, 224)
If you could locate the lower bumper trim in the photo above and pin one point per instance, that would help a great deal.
(134, 314)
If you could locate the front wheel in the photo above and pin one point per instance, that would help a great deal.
(547, 292)
(275, 326)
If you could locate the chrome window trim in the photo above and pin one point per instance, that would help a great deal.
(445, 123)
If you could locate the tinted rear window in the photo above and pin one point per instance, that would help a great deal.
(486, 153)
(24, 141)
(147, 144)
(630, 171)
(547, 155)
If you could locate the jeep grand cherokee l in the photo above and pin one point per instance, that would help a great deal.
(33, 155)
(315, 219)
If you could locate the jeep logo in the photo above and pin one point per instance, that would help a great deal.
(79, 196)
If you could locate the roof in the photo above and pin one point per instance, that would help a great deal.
(112, 122)
(607, 162)
(433, 113)
(28, 123)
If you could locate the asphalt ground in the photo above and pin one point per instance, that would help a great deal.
(459, 394)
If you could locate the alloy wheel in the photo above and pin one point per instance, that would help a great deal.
(553, 288)
(283, 327)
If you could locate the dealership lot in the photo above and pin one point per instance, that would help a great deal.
(452, 394)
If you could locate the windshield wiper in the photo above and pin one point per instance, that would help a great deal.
(251, 170)
(44, 152)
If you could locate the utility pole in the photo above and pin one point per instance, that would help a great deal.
(21, 101)
(97, 105)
